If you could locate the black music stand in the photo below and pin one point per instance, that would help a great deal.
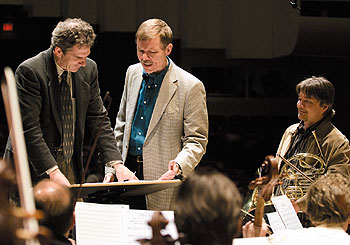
(112, 192)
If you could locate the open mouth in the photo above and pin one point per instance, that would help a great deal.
(147, 63)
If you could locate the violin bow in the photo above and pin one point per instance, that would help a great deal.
(14, 121)
(295, 168)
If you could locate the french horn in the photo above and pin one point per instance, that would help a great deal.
(296, 179)
(296, 185)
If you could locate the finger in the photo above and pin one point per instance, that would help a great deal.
(134, 177)
(120, 178)
(163, 177)
(167, 176)
(106, 179)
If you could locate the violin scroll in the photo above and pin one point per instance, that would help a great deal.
(266, 184)
(158, 223)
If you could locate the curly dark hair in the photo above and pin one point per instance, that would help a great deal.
(71, 32)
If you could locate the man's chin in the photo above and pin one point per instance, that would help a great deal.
(147, 69)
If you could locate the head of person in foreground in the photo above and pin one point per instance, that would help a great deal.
(207, 209)
(328, 201)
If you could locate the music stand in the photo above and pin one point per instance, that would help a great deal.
(111, 192)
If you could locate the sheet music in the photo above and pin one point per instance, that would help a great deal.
(287, 213)
(116, 224)
(100, 223)
(276, 222)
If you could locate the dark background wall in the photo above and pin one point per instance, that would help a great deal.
(251, 97)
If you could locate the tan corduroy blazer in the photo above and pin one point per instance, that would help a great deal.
(178, 129)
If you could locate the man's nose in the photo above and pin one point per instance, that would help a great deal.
(82, 62)
(300, 103)
(145, 56)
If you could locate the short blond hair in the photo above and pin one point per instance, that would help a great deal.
(151, 28)
(328, 200)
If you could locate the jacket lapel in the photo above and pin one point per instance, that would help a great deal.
(81, 93)
(134, 95)
(54, 89)
(166, 92)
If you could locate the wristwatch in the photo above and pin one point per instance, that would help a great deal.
(179, 174)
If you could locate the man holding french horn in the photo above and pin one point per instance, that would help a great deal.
(314, 145)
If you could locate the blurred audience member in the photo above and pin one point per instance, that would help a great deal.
(57, 204)
(8, 223)
(207, 209)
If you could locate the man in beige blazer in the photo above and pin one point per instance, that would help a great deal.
(162, 123)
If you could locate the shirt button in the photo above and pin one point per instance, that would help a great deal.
(141, 118)
(149, 86)
(139, 133)
(139, 148)
(155, 85)
(144, 102)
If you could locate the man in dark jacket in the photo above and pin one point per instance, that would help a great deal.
(58, 94)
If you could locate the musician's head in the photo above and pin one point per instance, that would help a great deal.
(316, 97)
(328, 201)
(57, 204)
(207, 208)
(153, 44)
(71, 42)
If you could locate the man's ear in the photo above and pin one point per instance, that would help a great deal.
(73, 221)
(325, 108)
(58, 51)
(169, 48)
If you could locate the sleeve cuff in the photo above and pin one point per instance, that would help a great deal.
(109, 167)
(50, 170)
(112, 163)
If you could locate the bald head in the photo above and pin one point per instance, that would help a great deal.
(57, 203)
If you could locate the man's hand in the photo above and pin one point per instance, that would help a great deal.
(58, 177)
(250, 230)
(122, 173)
(109, 177)
(173, 169)
(295, 206)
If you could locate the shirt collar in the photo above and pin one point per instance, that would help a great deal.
(301, 127)
(59, 69)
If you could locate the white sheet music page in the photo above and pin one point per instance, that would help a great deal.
(116, 224)
(100, 223)
(276, 222)
(286, 211)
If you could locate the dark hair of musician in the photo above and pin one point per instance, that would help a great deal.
(71, 32)
(207, 209)
(328, 200)
(57, 204)
(321, 89)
